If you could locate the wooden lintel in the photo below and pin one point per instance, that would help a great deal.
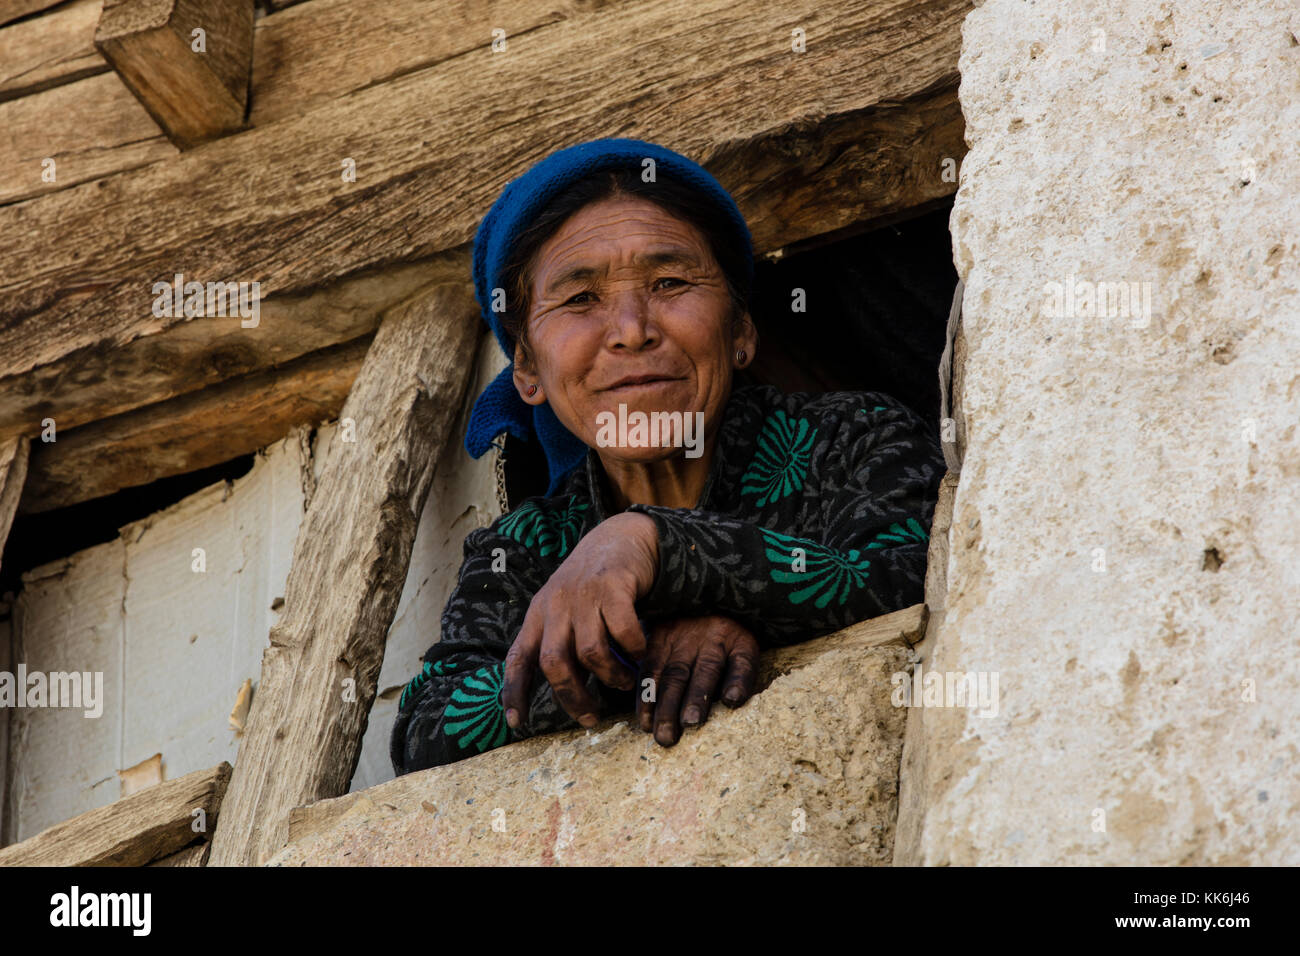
(318, 680)
(187, 62)
(148, 825)
(198, 429)
(110, 378)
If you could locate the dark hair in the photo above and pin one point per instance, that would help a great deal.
(680, 200)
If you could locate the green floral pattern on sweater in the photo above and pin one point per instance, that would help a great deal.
(819, 572)
(549, 530)
(476, 703)
(781, 462)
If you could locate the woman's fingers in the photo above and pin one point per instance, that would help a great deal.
(521, 661)
(671, 689)
(709, 666)
(592, 648)
(621, 622)
(652, 666)
(742, 673)
(560, 666)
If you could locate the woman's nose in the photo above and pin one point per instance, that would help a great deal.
(631, 323)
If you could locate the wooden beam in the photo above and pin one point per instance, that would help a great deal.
(14, 454)
(300, 63)
(196, 855)
(707, 81)
(146, 826)
(50, 50)
(13, 9)
(844, 174)
(198, 429)
(318, 679)
(112, 378)
(88, 129)
(187, 61)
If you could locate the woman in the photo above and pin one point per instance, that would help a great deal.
(659, 563)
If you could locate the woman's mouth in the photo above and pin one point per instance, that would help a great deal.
(633, 382)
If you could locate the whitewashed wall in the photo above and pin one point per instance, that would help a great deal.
(174, 645)
(5, 629)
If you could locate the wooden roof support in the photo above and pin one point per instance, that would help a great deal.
(187, 61)
(318, 680)
(13, 9)
(193, 431)
(151, 824)
(14, 453)
(50, 50)
(821, 142)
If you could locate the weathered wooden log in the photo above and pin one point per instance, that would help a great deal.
(13, 9)
(187, 62)
(73, 134)
(14, 454)
(271, 205)
(302, 58)
(146, 826)
(193, 431)
(318, 680)
(50, 50)
(313, 53)
(196, 855)
(200, 353)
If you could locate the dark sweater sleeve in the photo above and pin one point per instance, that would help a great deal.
(844, 489)
(452, 709)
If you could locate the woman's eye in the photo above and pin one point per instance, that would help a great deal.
(577, 299)
(670, 279)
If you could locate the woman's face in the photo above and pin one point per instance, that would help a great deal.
(629, 307)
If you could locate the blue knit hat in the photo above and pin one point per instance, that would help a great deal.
(500, 408)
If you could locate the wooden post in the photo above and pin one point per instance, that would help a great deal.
(319, 675)
(187, 62)
(14, 453)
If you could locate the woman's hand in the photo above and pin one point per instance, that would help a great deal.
(693, 661)
(592, 594)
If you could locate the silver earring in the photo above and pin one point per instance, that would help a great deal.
(740, 356)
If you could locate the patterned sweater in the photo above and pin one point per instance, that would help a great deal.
(815, 515)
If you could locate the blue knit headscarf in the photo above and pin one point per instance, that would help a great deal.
(500, 408)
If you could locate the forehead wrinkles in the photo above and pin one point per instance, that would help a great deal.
(619, 236)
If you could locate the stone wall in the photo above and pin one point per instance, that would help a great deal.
(1125, 548)
(806, 772)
